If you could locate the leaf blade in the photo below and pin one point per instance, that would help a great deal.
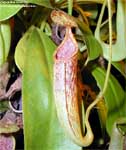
(8, 10)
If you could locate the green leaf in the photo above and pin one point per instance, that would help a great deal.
(21, 49)
(8, 10)
(93, 46)
(5, 40)
(119, 48)
(114, 97)
(41, 127)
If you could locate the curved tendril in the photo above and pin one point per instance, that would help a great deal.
(101, 94)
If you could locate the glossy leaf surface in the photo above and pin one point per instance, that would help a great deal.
(21, 50)
(5, 40)
(8, 10)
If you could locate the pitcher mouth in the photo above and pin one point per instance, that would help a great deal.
(16, 110)
(67, 48)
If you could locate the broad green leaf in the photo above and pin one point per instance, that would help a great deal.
(49, 48)
(119, 48)
(1, 49)
(5, 40)
(114, 97)
(93, 46)
(8, 10)
(21, 50)
(41, 127)
(117, 138)
(6, 34)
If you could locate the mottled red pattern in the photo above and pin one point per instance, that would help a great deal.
(66, 50)
(7, 142)
(65, 86)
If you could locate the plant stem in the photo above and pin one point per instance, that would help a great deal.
(101, 15)
(110, 47)
(70, 6)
